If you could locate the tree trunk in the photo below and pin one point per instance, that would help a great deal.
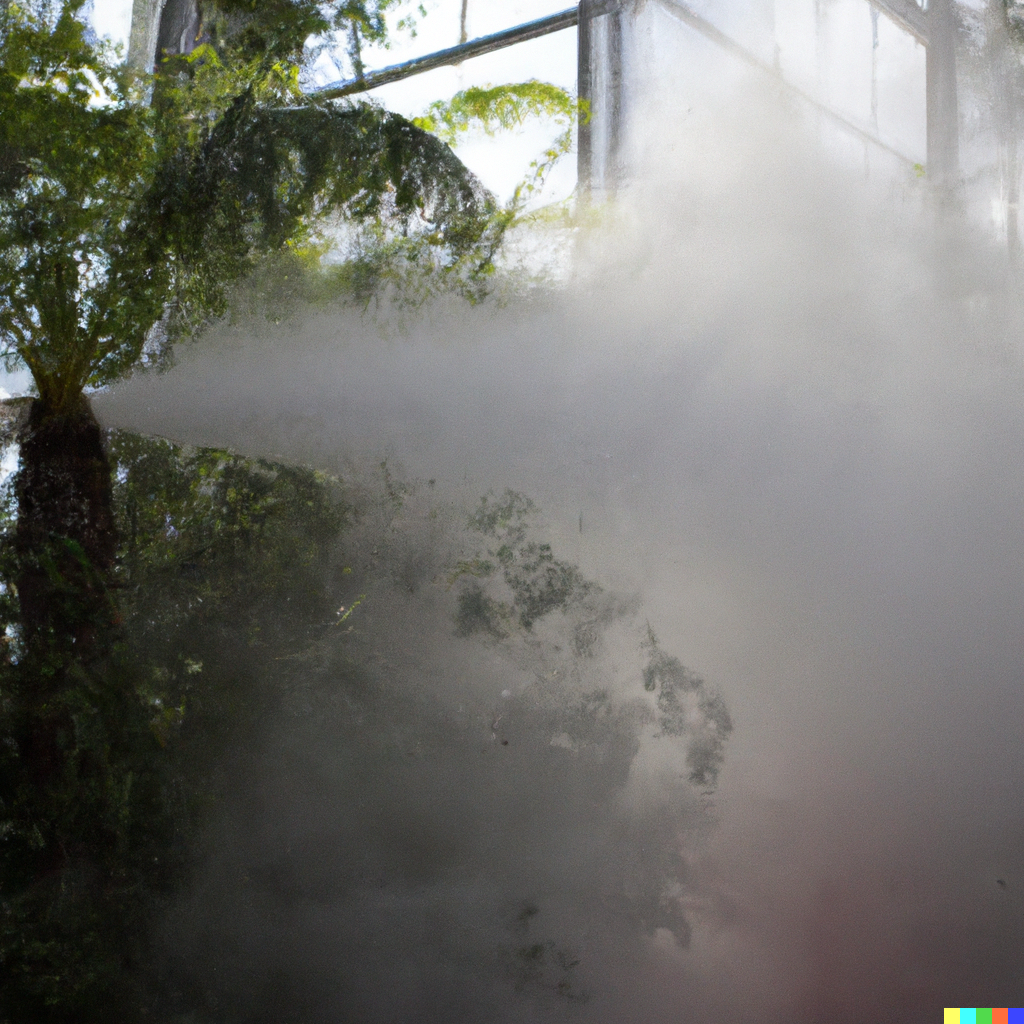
(162, 26)
(65, 537)
(78, 793)
(65, 544)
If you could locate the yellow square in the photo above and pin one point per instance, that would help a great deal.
(951, 1015)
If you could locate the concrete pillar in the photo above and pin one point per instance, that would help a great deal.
(943, 112)
(585, 94)
(600, 86)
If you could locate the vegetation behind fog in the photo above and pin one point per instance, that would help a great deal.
(164, 607)
(296, 725)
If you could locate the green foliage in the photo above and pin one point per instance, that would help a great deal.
(281, 29)
(95, 831)
(497, 108)
(538, 582)
(243, 199)
(193, 524)
(68, 164)
(504, 108)
(191, 521)
(130, 209)
(267, 29)
(687, 706)
(520, 582)
(408, 22)
(228, 587)
(587, 704)
(124, 223)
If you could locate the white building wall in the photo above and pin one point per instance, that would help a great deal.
(834, 53)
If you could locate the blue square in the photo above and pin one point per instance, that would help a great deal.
(1016, 1015)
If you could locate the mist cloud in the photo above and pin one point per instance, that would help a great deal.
(778, 411)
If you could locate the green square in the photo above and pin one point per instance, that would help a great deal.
(984, 1016)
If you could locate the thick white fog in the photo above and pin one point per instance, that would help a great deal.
(779, 411)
